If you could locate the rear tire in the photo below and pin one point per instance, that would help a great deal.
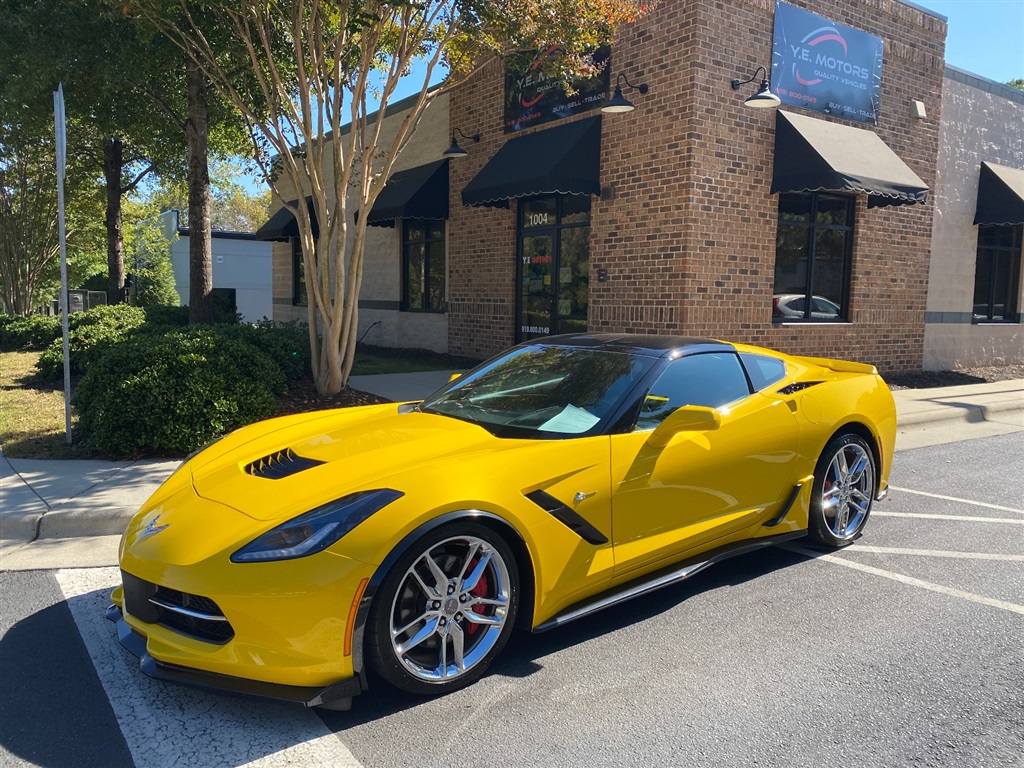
(445, 610)
(845, 483)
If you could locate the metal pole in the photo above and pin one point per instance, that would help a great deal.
(61, 141)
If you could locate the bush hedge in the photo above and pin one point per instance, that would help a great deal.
(90, 334)
(31, 332)
(170, 394)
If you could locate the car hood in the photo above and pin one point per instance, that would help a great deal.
(283, 467)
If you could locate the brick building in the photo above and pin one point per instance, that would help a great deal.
(694, 213)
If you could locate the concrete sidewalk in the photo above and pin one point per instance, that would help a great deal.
(43, 501)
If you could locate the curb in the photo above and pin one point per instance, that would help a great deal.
(68, 524)
(973, 414)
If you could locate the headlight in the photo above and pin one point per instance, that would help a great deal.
(317, 529)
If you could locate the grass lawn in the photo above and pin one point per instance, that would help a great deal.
(32, 412)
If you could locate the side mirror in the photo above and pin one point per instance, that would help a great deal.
(689, 418)
(453, 377)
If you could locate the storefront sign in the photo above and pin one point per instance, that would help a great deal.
(533, 97)
(824, 66)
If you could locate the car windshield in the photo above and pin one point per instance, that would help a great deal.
(543, 391)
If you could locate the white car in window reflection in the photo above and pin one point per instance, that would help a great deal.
(785, 305)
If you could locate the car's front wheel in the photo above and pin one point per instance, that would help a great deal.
(844, 489)
(445, 610)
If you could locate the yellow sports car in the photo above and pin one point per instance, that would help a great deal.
(566, 475)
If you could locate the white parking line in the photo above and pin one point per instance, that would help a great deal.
(969, 518)
(954, 498)
(1002, 604)
(166, 724)
(934, 553)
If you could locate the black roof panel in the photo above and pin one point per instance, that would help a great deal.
(637, 343)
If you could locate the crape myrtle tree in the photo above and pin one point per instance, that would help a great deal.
(314, 66)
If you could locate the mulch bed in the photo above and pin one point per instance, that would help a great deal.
(930, 379)
(304, 397)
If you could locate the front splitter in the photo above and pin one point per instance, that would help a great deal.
(337, 696)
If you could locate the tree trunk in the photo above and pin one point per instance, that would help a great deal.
(113, 160)
(200, 259)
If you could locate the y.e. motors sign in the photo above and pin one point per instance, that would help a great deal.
(828, 67)
(532, 96)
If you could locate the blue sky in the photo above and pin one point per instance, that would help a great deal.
(985, 37)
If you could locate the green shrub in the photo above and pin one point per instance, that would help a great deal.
(90, 334)
(31, 332)
(168, 395)
(290, 350)
(167, 316)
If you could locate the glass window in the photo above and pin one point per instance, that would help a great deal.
(762, 370)
(711, 379)
(997, 273)
(812, 256)
(423, 265)
(299, 297)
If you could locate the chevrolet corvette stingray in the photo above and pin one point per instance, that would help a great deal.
(566, 475)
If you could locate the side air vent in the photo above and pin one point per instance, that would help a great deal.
(570, 519)
(797, 386)
(279, 465)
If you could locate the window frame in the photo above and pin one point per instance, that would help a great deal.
(811, 228)
(300, 296)
(1012, 314)
(426, 241)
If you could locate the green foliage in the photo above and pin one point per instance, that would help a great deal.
(167, 316)
(287, 347)
(31, 332)
(1018, 83)
(89, 335)
(148, 251)
(168, 395)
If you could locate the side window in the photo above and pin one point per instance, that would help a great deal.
(763, 371)
(712, 379)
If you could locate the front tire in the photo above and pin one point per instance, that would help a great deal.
(845, 481)
(445, 610)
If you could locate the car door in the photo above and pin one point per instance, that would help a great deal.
(703, 486)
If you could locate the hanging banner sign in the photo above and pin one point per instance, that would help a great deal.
(533, 97)
(824, 66)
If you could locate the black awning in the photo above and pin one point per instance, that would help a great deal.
(564, 160)
(815, 155)
(417, 193)
(1000, 195)
(282, 225)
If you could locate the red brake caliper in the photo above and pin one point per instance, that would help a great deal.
(481, 589)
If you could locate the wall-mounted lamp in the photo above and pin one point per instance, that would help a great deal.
(619, 103)
(455, 150)
(764, 96)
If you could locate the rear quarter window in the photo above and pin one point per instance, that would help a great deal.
(763, 370)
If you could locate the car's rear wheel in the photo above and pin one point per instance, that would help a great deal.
(844, 489)
(445, 610)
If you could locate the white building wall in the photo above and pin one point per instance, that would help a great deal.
(981, 121)
(238, 263)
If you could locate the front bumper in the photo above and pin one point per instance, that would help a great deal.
(336, 696)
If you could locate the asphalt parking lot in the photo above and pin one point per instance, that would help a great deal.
(905, 649)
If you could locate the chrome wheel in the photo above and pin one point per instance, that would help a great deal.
(844, 489)
(847, 490)
(450, 609)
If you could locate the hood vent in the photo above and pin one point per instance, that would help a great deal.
(280, 465)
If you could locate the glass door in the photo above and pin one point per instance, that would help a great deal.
(553, 273)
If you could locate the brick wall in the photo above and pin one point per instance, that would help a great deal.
(688, 234)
